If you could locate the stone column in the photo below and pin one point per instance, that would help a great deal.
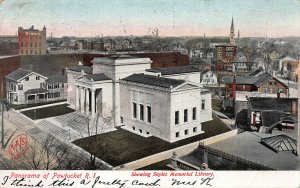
(87, 100)
(77, 98)
(93, 102)
(82, 99)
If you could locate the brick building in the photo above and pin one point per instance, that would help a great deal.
(264, 84)
(32, 41)
(225, 55)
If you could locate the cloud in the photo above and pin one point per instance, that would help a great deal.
(21, 3)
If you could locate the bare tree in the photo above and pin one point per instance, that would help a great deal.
(99, 123)
(51, 154)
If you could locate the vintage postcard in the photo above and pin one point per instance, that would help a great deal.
(149, 93)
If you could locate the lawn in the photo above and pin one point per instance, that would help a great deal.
(119, 147)
(46, 112)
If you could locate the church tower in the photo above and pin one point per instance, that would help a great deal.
(232, 37)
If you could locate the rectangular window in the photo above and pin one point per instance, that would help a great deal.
(20, 87)
(177, 134)
(195, 129)
(134, 110)
(185, 115)
(194, 113)
(62, 85)
(203, 104)
(37, 78)
(186, 132)
(176, 117)
(141, 112)
(149, 114)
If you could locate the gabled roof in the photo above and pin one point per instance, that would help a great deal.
(57, 79)
(18, 74)
(251, 80)
(79, 68)
(174, 70)
(96, 77)
(153, 80)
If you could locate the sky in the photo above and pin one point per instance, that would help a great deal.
(90, 18)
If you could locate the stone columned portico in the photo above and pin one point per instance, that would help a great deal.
(92, 95)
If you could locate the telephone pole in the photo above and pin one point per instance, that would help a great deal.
(2, 115)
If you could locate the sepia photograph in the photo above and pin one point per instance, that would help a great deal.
(149, 93)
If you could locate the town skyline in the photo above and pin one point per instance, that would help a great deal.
(140, 18)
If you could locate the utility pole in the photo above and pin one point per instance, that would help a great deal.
(2, 115)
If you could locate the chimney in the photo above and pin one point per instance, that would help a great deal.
(234, 87)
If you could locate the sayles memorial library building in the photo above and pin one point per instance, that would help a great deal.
(167, 103)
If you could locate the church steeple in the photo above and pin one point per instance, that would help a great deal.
(232, 36)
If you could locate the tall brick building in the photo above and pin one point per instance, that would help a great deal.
(32, 41)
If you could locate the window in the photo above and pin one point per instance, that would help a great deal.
(121, 119)
(195, 129)
(20, 87)
(62, 85)
(141, 112)
(37, 78)
(186, 132)
(203, 104)
(194, 113)
(133, 128)
(176, 117)
(149, 114)
(27, 79)
(41, 85)
(177, 134)
(185, 115)
(141, 131)
(134, 110)
(21, 44)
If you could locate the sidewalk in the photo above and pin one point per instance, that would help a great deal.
(25, 125)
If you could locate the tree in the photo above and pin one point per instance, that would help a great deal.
(101, 121)
(49, 155)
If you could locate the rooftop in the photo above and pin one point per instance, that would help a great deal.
(250, 80)
(36, 91)
(57, 79)
(79, 68)
(268, 103)
(174, 70)
(247, 145)
(96, 77)
(153, 80)
(18, 74)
